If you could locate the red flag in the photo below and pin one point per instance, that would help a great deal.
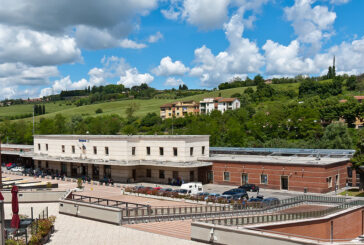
(15, 207)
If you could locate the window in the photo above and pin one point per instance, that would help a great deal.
(337, 180)
(175, 152)
(329, 181)
(203, 150)
(95, 150)
(161, 151)
(106, 151)
(192, 176)
(191, 151)
(244, 179)
(148, 150)
(39, 147)
(47, 165)
(133, 151)
(63, 148)
(226, 176)
(161, 174)
(46, 147)
(264, 179)
(149, 173)
(73, 149)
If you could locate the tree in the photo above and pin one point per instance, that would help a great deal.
(258, 79)
(358, 159)
(351, 83)
(336, 136)
(131, 109)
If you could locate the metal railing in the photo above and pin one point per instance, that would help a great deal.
(280, 217)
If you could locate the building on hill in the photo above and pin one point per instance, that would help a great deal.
(218, 103)
(179, 109)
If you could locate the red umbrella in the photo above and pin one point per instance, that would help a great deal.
(15, 207)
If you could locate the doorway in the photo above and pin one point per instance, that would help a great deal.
(244, 179)
(284, 182)
(134, 174)
(95, 172)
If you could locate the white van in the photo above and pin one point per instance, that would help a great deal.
(192, 188)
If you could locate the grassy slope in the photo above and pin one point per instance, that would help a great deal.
(118, 107)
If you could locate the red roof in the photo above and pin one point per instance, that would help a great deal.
(227, 99)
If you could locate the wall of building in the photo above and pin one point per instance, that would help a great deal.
(345, 226)
(314, 178)
(120, 148)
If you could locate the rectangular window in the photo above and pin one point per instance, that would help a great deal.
(191, 151)
(133, 151)
(106, 151)
(73, 149)
(175, 152)
(264, 179)
(148, 150)
(95, 150)
(244, 179)
(63, 148)
(329, 182)
(226, 176)
(161, 174)
(149, 173)
(46, 147)
(39, 147)
(203, 150)
(161, 151)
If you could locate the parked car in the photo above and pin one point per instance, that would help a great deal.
(270, 201)
(258, 198)
(165, 190)
(234, 191)
(250, 187)
(10, 166)
(225, 197)
(240, 196)
(17, 169)
(157, 188)
(212, 196)
(192, 187)
(181, 191)
(203, 194)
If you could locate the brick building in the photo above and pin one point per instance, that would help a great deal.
(286, 171)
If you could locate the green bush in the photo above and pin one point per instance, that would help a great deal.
(98, 111)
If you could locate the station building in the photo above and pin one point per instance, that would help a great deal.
(304, 170)
(138, 158)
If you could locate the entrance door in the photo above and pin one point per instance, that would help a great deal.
(284, 182)
(95, 172)
(244, 179)
(134, 174)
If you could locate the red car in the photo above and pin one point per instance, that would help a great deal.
(157, 188)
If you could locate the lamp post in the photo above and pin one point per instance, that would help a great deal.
(2, 236)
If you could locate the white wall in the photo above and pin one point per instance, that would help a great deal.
(120, 147)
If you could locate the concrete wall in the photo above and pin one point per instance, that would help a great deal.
(225, 235)
(34, 196)
(348, 225)
(314, 178)
(104, 214)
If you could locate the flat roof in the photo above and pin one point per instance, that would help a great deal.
(17, 146)
(266, 159)
(176, 137)
(286, 151)
(194, 164)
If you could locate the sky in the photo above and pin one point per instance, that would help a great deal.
(50, 46)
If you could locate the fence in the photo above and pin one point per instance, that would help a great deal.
(259, 219)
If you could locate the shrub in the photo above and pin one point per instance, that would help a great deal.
(98, 111)
(79, 183)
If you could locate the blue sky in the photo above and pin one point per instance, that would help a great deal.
(51, 46)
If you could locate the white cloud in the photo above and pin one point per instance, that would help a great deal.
(311, 25)
(285, 60)
(173, 82)
(339, 1)
(127, 43)
(133, 77)
(241, 57)
(155, 38)
(36, 48)
(64, 84)
(170, 14)
(205, 14)
(169, 68)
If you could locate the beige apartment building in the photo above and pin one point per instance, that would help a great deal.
(179, 109)
(142, 158)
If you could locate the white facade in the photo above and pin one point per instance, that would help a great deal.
(221, 104)
(174, 148)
